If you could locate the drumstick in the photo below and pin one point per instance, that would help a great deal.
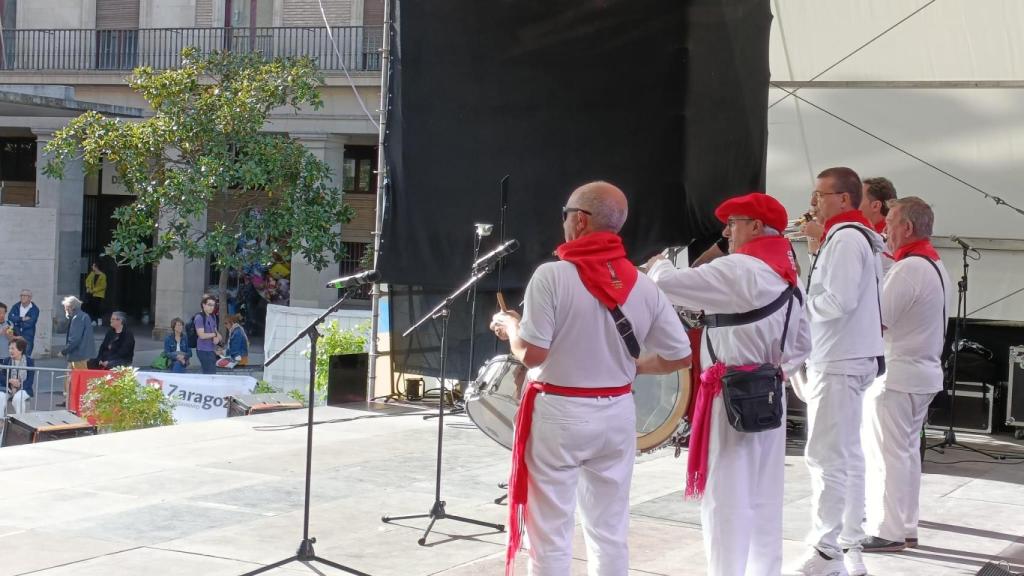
(501, 302)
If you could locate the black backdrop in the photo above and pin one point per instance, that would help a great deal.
(665, 98)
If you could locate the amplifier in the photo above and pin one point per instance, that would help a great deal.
(972, 411)
(1015, 392)
(32, 427)
(246, 404)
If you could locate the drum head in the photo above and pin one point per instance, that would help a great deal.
(661, 402)
(493, 399)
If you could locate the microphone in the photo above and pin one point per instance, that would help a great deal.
(961, 242)
(368, 277)
(488, 260)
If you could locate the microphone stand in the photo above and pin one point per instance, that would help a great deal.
(949, 436)
(305, 553)
(437, 512)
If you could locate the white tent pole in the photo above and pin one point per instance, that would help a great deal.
(382, 176)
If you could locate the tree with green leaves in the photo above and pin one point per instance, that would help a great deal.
(203, 152)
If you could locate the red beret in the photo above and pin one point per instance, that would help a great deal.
(756, 205)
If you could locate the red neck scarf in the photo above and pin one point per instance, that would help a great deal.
(880, 226)
(776, 252)
(848, 216)
(923, 247)
(600, 259)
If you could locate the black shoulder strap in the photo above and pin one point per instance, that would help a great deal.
(814, 263)
(625, 330)
(749, 317)
(787, 295)
(942, 283)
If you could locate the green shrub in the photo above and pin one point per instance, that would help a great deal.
(117, 402)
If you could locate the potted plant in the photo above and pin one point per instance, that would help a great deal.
(117, 402)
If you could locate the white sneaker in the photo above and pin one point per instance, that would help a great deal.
(812, 563)
(854, 562)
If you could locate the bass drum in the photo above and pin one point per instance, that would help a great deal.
(493, 400)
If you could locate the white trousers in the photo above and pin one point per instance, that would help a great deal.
(835, 460)
(891, 434)
(19, 400)
(741, 512)
(580, 449)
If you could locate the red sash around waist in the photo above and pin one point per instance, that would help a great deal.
(519, 475)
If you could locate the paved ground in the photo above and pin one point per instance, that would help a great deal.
(225, 497)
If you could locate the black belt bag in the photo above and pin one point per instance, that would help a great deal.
(754, 398)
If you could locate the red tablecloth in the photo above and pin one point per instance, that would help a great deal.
(77, 385)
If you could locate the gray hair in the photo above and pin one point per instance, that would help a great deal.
(120, 316)
(917, 212)
(605, 213)
(72, 301)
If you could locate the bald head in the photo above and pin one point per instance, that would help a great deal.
(606, 204)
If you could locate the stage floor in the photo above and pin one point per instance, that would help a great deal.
(225, 497)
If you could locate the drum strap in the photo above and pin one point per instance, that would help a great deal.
(519, 475)
(625, 330)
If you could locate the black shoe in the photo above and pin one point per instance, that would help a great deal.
(61, 404)
(911, 542)
(876, 544)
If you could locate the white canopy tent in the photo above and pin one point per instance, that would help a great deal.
(928, 93)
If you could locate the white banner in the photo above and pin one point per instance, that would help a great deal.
(198, 396)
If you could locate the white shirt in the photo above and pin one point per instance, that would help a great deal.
(584, 349)
(914, 316)
(24, 310)
(842, 303)
(733, 284)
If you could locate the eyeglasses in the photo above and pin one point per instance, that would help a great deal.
(819, 193)
(732, 221)
(566, 210)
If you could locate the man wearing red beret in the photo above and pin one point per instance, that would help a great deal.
(843, 305)
(739, 474)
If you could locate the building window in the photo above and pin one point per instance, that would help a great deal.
(18, 159)
(360, 170)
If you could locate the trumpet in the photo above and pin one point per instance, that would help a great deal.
(793, 229)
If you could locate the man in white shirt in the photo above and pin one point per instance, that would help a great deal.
(576, 426)
(846, 356)
(914, 313)
(741, 510)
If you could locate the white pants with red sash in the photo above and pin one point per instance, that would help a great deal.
(580, 450)
(741, 511)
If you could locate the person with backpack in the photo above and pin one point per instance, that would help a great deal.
(206, 335)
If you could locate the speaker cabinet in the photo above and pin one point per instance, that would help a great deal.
(972, 412)
(246, 404)
(32, 427)
(346, 378)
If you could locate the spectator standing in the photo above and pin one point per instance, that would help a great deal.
(18, 380)
(80, 344)
(95, 293)
(207, 336)
(118, 347)
(6, 332)
(176, 347)
(24, 318)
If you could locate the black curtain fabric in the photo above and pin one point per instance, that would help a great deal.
(556, 93)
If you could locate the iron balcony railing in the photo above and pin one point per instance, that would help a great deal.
(357, 47)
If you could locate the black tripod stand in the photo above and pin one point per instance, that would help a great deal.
(437, 511)
(949, 436)
(305, 552)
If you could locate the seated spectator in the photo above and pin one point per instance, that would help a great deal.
(176, 347)
(118, 347)
(237, 353)
(17, 380)
(6, 332)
